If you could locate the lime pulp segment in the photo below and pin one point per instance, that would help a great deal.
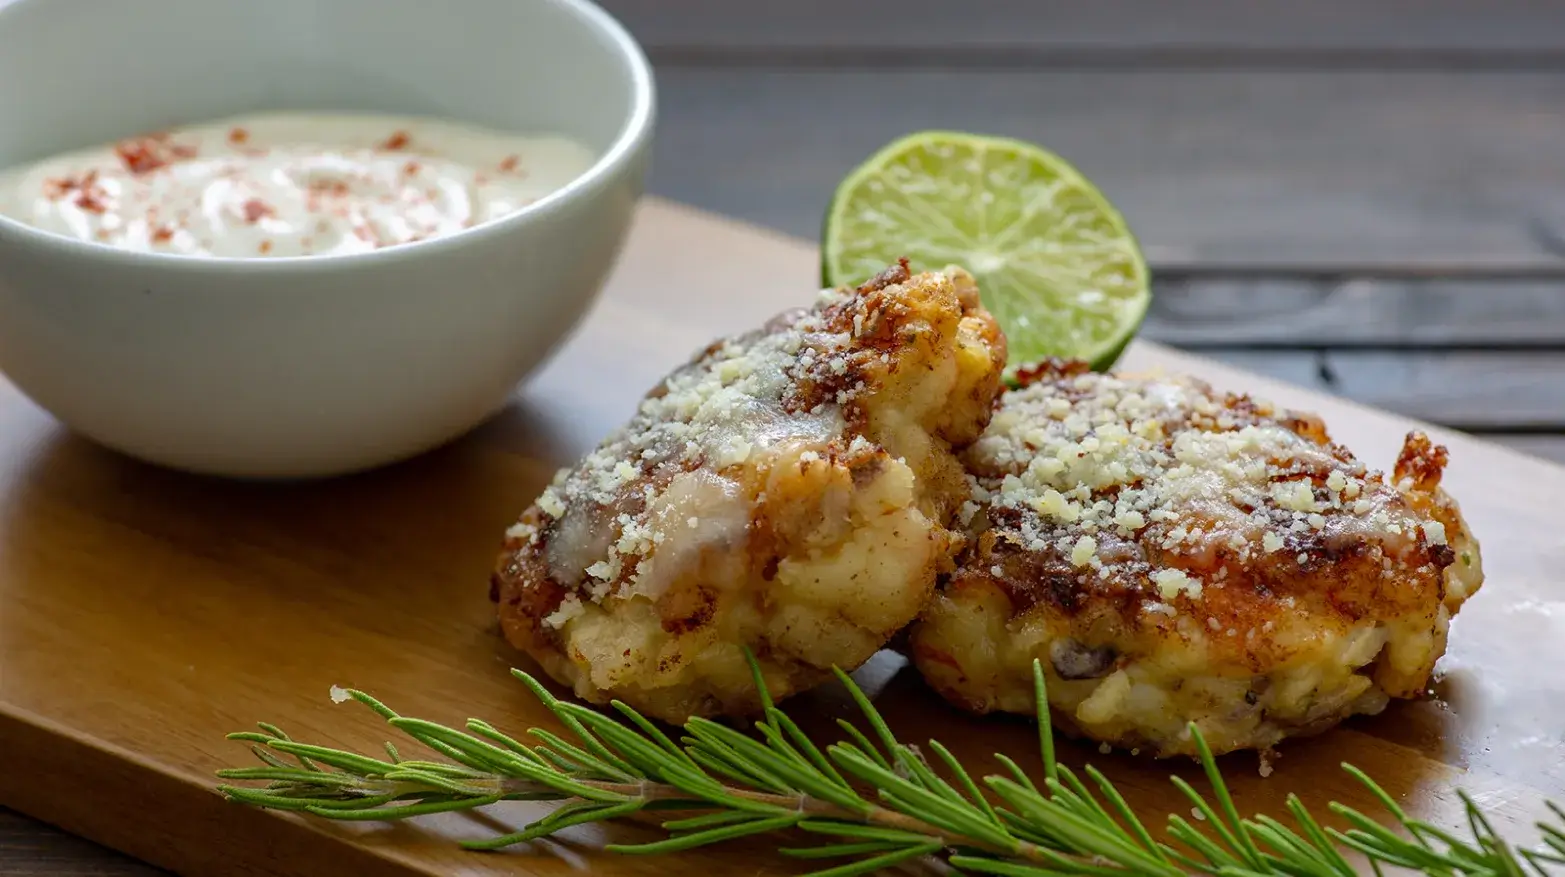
(1055, 262)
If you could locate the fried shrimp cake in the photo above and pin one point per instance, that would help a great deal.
(787, 491)
(1174, 555)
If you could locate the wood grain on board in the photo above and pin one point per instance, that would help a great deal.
(147, 613)
(1362, 198)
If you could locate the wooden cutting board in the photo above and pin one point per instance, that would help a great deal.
(144, 614)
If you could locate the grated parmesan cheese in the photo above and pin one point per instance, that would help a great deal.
(551, 504)
(797, 381)
(1172, 582)
(569, 608)
(1070, 465)
(1086, 550)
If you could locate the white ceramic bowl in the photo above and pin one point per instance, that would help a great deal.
(310, 366)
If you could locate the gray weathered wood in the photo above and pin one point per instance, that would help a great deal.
(1232, 132)
(1496, 391)
(1257, 30)
(1201, 312)
(30, 848)
(1215, 167)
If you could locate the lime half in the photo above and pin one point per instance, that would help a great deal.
(1055, 262)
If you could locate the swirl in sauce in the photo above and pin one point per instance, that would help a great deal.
(289, 184)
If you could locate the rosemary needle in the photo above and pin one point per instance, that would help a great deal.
(873, 804)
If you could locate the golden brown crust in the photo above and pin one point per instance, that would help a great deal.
(786, 490)
(1147, 530)
(1421, 462)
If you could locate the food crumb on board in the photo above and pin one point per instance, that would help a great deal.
(1268, 758)
(340, 694)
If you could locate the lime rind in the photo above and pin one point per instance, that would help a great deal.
(1056, 262)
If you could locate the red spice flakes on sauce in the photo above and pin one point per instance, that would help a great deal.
(256, 209)
(162, 234)
(149, 152)
(509, 163)
(410, 168)
(338, 188)
(238, 135)
(369, 234)
(398, 140)
(266, 247)
(58, 187)
(140, 156)
(479, 179)
(89, 196)
(91, 200)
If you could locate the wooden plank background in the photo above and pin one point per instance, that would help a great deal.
(1233, 167)
(1105, 30)
(1362, 196)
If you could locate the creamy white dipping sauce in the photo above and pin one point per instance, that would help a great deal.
(289, 184)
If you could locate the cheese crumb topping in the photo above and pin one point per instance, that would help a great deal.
(1172, 582)
(1295, 495)
(1139, 481)
(570, 607)
(551, 503)
(669, 483)
(1086, 549)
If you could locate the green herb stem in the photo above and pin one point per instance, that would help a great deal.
(874, 799)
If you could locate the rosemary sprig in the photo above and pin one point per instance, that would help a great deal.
(871, 800)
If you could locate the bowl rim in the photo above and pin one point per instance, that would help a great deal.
(632, 138)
